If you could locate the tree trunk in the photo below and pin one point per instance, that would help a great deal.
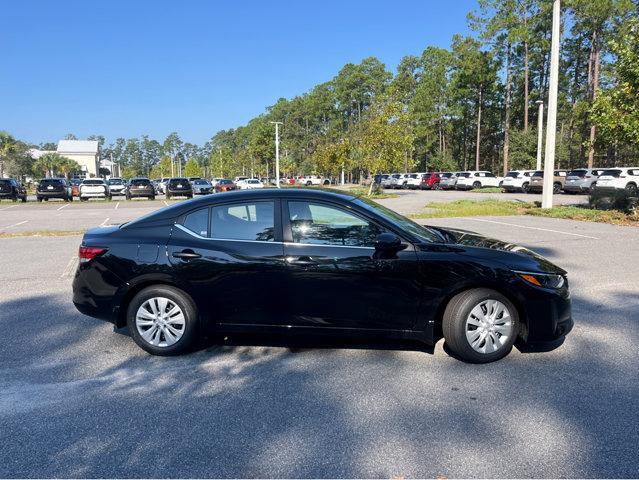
(526, 87)
(596, 49)
(507, 113)
(477, 144)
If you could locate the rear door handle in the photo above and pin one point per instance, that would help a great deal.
(303, 260)
(186, 255)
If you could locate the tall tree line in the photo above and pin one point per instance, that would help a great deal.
(472, 105)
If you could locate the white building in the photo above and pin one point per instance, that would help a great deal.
(85, 152)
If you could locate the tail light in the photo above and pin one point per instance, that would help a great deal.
(89, 253)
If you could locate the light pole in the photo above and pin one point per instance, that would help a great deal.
(540, 133)
(551, 123)
(277, 153)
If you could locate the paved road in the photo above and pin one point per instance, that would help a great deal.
(59, 215)
(78, 400)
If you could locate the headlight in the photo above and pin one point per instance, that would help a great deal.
(544, 280)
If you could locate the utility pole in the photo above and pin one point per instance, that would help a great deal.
(540, 131)
(277, 153)
(551, 124)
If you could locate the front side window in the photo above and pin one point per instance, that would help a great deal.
(244, 221)
(319, 224)
(198, 222)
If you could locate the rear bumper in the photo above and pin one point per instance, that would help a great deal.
(93, 195)
(180, 193)
(141, 193)
(576, 188)
(46, 194)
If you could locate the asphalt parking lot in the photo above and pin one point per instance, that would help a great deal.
(79, 400)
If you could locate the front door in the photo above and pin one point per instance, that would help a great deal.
(336, 278)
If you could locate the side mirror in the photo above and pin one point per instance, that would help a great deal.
(388, 242)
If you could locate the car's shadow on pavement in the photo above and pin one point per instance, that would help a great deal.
(78, 401)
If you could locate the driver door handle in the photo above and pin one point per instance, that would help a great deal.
(186, 255)
(303, 260)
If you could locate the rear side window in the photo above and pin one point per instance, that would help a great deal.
(634, 171)
(244, 221)
(198, 222)
(578, 173)
(92, 182)
(46, 182)
(611, 173)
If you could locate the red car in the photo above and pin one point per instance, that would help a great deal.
(430, 181)
(224, 186)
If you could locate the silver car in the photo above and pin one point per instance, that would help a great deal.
(581, 180)
(201, 187)
(448, 180)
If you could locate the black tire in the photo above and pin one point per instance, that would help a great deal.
(188, 308)
(454, 325)
(14, 198)
(476, 185)
(152, 197)
(46, 199)
(24, 199)
(127, 197)
(39, 199)
(631, 189)
(525, 187)
(556, 188)
(168, 196)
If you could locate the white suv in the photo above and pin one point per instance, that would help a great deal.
(94, 188)
(309, 180)
(399, 180)
(448, 180)
(476, 179)
(517, 180)
(622, 178)
(414, 180)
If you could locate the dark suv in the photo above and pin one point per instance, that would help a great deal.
(179, 187)
(54, 188)
(140, 187)
(12, 189)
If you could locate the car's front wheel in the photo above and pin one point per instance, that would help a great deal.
(162, 320)
(480, 325)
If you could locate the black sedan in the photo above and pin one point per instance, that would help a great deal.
(315, 261)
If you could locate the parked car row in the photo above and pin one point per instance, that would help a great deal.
(583, 180)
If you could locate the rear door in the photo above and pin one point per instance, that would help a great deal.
(336, 280)
(231, 255)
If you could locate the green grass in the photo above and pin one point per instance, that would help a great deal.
(363, 192)
(492, 207)
(42, 233)
(486, 190)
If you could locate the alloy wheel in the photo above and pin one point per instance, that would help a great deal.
(488, 326)
(160, 322)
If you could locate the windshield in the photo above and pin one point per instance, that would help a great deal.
(512, 174)
(200, 182)
(464, 174)
(50, 181)
(116, 181)
(446, 175)
(140, 182)
(422, 233)
(93, 182)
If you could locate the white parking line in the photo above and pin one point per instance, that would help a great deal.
(70, 268)
(104, 223)
(534, 228)
(15, 224)
(7, 208)
(165, 203)
(117, 205)
(64, 206)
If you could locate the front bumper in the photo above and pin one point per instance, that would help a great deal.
(548, 314)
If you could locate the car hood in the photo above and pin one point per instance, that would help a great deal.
(512, 255)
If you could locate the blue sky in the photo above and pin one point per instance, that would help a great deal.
(122, 68)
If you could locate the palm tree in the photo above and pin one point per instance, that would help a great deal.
(50, 164)
(7, 147)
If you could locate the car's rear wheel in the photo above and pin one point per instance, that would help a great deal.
(476, 185)
(162, 320)
(525, 187)
(631, 189)
(480, 325)
(556, 187)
